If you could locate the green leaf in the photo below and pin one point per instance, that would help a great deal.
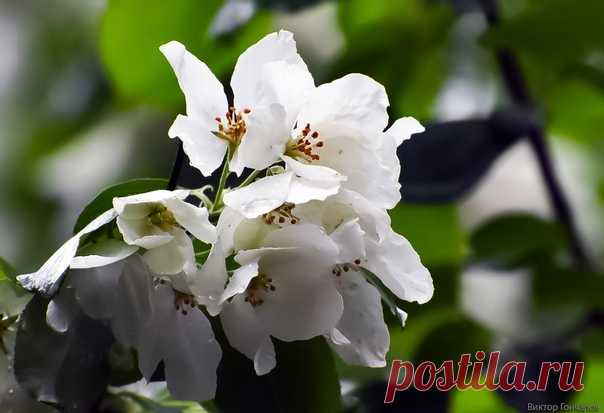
(478, 402)
(388, 297)
(104, 200)
(555, 31)
(515, 239)
(133, 30)
(433, 230)
(556, 286)
(401, 45)
(9, 284)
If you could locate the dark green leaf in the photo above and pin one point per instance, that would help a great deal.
(515, 239)
(305, 379)
(104, 200)
(69, 370)
(556, 286)
(451, 339)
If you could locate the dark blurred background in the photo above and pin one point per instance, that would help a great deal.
(86, 100)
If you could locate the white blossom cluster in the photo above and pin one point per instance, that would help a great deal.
(285, 254)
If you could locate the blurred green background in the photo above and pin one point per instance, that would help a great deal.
(86, 100)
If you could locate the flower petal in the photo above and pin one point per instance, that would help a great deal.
(46, 280)
(203, 92)
(247, 75)
(261, 196)
(240, 280)
(96, 289)
(349, 238)
(247, 334)
(362, 323)
(186, 345)
(265, 137)
(399, 267)
(305, 302)
(173, 257)
(137, 232)
(205, 151)
(403, 128)
(207, 284)
(354, 101)
(126, 206)
(103, 253)
(62, 310)
(193, 219)
(311, 181)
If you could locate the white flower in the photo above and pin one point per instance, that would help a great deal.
(270, 82)
(362, 237)
(161, 323)
(283, 288)
(157, 221)
(338, 140)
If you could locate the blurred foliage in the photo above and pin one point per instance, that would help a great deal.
(130, 47)
(112, 56)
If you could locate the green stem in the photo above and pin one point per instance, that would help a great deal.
(250, 178)
(223, 177)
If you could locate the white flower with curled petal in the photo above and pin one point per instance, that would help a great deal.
(283, 288)
(157, 221)
(159, 321)
(338, 140)
(270, 82)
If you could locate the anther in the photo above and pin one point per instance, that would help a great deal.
(315, 134)
(357, 261)
(247, 110)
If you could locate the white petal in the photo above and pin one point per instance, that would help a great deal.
(261, 196)
(46, 279)
(399, 267)
(362, 323)
(103, 253)
(403, 128)
(349, 238)
(247, 334)
(240, 280)
(208, 283)
(305, 302)
(289, 85)
(132, 307)
(354, 101)
(203, 92)
(193, 219)
(186, 344)
(173, 257)
(139, 233)
(311, 181)
(247, 75)
(205, 151)
(126, 205)
(96, 289)
(62, 310)
(250, 233)
(227, 224)
(374, 221)
(265, 137)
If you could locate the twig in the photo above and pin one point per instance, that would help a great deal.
(516, 86)
(176, 167)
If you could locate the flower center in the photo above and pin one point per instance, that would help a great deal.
(281, 214)
(232, 127)
(306, 146)
(161, 217)
(257, 285)
(182, 300)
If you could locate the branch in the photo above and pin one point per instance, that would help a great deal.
(516, 86)
(176, 167)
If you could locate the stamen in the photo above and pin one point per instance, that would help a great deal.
(302, 148)
(258, 284)
(181, 300)
(161, 217)
(281, 214)
(233, 128)
(345, 267)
